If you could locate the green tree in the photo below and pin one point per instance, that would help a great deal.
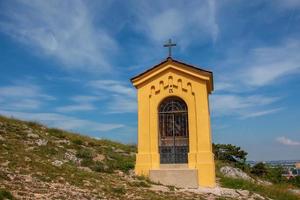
(259, 169)
(229, 153)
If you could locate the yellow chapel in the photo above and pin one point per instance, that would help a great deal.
(174, 133)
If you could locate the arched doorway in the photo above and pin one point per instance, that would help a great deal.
(173, 131)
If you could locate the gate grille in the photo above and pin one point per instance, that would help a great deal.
(173, 131)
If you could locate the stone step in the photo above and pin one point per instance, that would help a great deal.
(178, 177)
(173, 166)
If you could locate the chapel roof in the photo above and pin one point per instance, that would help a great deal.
(171, 61)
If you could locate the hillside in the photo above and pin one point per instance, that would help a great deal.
(37, 162)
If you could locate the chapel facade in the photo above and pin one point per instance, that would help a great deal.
(174, 133)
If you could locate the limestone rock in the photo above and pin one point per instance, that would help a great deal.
(31, 135)
(235, 173)
(5, 164)
(57, 163)
(295, 191)
(99, 157)
(27, 159)
(2, 138)
(41, 142)
(86, 169)
(263, 182)
(71, 157)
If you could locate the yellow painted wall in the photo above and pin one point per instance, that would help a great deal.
(191, 86)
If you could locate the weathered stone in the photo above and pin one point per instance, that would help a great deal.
(99, 157)
(41, 142)
(86, 169)
(27, 159)
(2, 138)
(71, 157)
(295, 191)
(57, 163)
(67, 142)
(32, 135)
(119, 151)
(235, 173)
(5, 164)
(263, 182)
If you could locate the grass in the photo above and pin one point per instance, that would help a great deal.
(276, 191)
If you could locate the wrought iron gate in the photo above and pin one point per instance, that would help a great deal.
(173, 131)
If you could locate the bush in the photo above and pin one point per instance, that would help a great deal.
(56, 133)
(259, 169)
(77, 141)
(4, 194)
(84, 154)
(274, 174)
(295, 181)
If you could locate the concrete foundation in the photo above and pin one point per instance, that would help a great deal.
(178, 175)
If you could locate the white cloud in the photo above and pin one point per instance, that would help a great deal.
(23, 97)
(242, 106)
(261, 113)
(113, 86)
(76, 107)
(63, 121)
(268, 64)
(121, 98)
(84, 98)
(261, 66)
(82, 103)
(122, 104)
(287, 141)
(63, 30)
(181, 20)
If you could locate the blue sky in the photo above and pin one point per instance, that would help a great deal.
(67, 64)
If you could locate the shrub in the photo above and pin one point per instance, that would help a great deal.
(295, 181)
(259, 169)
(77, 141)
(84, 154)
(274, 174)
(56, 132)
(118, 190)
(4, 194)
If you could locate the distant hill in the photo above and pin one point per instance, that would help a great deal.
(37, 162)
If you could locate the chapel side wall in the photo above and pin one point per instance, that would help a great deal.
(205, 158)
(143, 157)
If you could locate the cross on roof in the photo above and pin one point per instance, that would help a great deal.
(170, 45)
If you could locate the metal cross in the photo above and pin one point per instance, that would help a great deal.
(170, 45)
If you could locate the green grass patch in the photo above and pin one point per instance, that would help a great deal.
(276, 191)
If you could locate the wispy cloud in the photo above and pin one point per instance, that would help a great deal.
(242, 106)
(261, 66)
(122, 98)
(63, 30)
(113, 86)
(268, 64)
(23, 97)
(76, 108)
(179, 19)
(80, 103)
(63, 121)
(260, 113)
(286, 141)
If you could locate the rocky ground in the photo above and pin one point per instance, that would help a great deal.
(41, 163)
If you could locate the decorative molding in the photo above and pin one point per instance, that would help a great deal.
(171, 85)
